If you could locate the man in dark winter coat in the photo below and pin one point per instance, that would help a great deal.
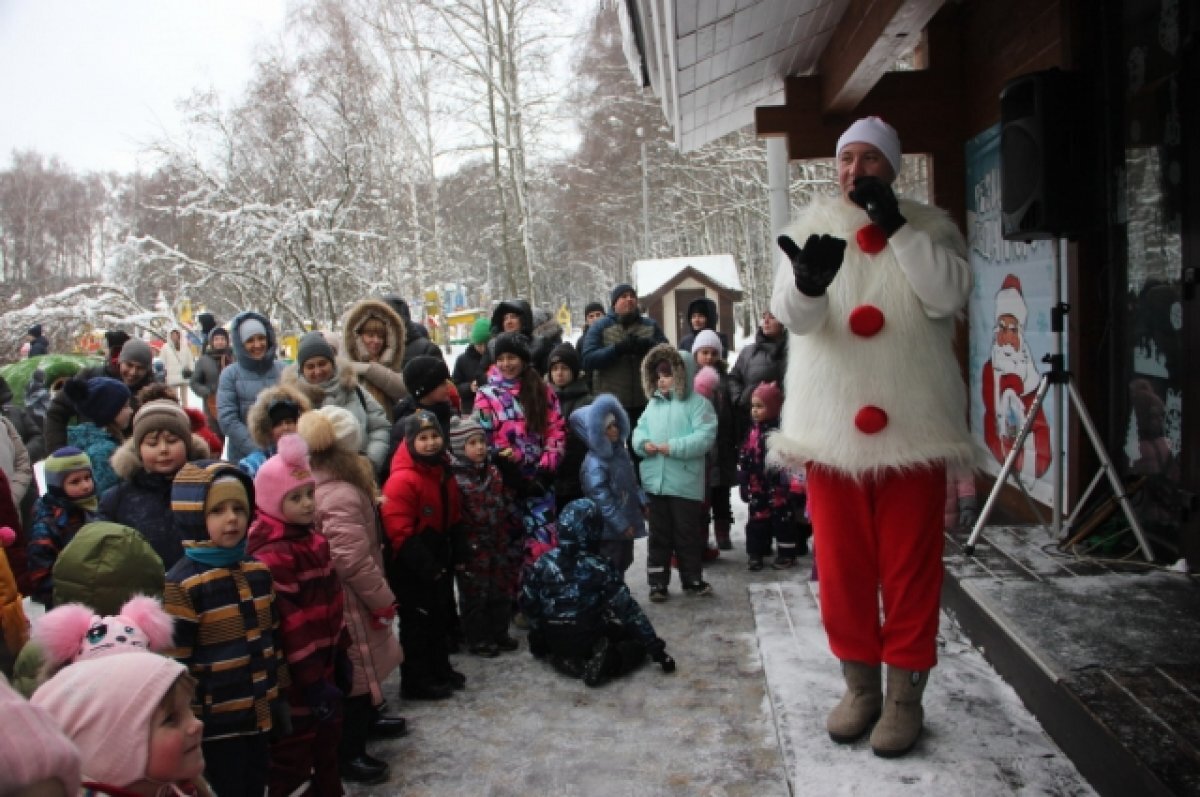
(580, 612)
(702, 314)
(416, 336)
(764, 360)
(38, 343)
(614, 347)
(134, 367)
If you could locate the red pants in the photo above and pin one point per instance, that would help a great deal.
(880, 533)
(308, 755)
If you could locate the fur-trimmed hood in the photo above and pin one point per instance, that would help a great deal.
(127, 460)
(519, 306)
(257, 420)
(682, 366)
(588, 423)
(359, 314)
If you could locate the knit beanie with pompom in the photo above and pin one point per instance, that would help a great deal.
(330, 427)
(286, 471)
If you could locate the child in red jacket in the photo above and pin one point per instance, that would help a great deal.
(421, 515)
(311, 631)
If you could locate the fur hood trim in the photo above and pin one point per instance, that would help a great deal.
(682, 366)
(359, 314)
(127, 460)
(257, 420)
(588, 423)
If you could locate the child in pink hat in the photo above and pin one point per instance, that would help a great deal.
(311, 632)
(131, 718)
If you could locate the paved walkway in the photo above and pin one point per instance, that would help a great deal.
(743, 715)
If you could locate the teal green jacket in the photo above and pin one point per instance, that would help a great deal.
(684, 420)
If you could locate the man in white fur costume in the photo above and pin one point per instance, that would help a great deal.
(876, 413)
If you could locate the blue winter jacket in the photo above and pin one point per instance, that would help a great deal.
(240, 385)
(607, 474)
(572, 590)
(143, 502)
(684, 420)
(99, 445)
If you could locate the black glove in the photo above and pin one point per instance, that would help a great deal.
(187, 373)
(658, 654)
(626, 345)
(875, 196)
(814, 266)
(323, 700)
(644, 345)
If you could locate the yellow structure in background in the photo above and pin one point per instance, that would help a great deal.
(459, 323)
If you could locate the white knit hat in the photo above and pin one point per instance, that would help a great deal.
(707, 339)
(879, 134)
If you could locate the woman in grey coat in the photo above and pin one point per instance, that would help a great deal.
(254, 368)
(329, 381)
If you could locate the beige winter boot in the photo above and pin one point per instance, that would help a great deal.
(859, 707)
(900, 724)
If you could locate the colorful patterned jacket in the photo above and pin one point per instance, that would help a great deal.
(766, 490)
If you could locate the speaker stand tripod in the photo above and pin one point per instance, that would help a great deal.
(1059, 378)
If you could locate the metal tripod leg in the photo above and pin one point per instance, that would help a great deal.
(1010, 462)
(1107, 468)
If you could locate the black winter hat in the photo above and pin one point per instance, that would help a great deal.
(313, 344)
(98, 399)
(513, 343)
(425, 374)
(564, 353)
(617, 292)
(35, 330)
(218, 331)
(593, 307)
(115, 338)
(397, 303)
(208, 322)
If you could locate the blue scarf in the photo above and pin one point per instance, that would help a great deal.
(213, 556)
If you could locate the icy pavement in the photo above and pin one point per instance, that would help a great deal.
(743, 715)
(979, 739)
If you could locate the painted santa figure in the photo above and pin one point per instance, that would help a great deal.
(1009, 383)
(875, 413)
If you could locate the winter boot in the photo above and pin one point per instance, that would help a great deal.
(900, 725)
(721, 530)
(859, 707)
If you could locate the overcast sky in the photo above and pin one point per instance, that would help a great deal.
(91, 80)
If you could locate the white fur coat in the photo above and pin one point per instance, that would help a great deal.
(919, 282)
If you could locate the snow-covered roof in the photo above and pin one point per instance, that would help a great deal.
(650, 275)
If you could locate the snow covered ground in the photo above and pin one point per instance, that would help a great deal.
(743, 715)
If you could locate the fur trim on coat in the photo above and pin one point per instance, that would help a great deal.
(907, 369)
(260, 423)
(393, 347)
(681, 368)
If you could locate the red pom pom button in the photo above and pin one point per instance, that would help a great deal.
(870, 420)
(866, 320)
(871, 239)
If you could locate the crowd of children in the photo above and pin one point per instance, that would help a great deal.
(299, 573)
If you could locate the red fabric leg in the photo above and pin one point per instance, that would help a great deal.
(876, 534)
(846, 559)
(909, 519)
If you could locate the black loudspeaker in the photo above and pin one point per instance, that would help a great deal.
(1048, 171)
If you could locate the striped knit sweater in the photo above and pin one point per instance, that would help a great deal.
(309, 598)
(225, 633)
